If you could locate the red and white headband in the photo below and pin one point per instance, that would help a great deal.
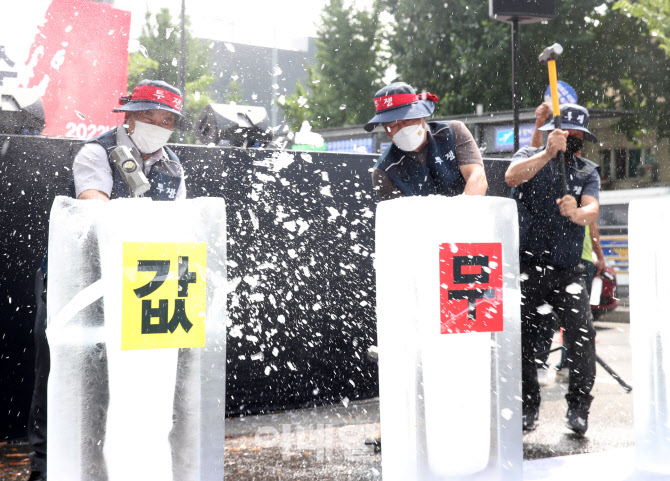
(398, 100)
(157, 94)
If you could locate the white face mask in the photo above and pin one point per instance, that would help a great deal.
(410, 138)
(149, 137)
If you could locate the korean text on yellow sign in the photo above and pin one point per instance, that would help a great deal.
(164, 295)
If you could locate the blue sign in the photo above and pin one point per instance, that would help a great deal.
(505, 137)
(361, 146)
(566, 94)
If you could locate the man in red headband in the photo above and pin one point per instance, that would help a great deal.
(425, 158)
(152, 112)
(438, 158)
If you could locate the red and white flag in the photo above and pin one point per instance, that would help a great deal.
(77, 61)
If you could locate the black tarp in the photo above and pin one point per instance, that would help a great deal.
(300, 255)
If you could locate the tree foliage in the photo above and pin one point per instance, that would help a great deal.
(158, 59)
(348, 67)
(655, 14)
(453, 49)
(233, 93)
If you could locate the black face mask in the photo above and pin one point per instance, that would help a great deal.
(574, 145)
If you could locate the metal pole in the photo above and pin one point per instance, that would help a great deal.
(183, 57)
(515, 80)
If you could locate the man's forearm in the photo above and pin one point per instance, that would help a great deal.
(476, 183)
(585, 215)
(92, 194)
(525, 170)
(595, 241)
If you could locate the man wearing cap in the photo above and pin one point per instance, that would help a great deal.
(551, 231)
(439, 158)
(426, 157)
(151, 113)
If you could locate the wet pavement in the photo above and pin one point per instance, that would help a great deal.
(327, 443)
(611, 416)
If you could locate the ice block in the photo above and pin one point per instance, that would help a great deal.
(448, 327)
(136, 327)
(648, 231)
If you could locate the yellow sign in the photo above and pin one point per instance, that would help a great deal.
(164, 295)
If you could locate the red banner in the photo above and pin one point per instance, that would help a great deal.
(471, 288)
(80, 58)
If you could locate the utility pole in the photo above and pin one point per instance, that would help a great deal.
(515, 12)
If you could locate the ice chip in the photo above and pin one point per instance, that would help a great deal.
(303, 226)
(506, 413)
(334, 214)
(257, 297)
(573, 288)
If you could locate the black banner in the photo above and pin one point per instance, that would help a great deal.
(300, 252)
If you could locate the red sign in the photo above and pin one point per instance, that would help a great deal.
(80, 58)
(471, 288)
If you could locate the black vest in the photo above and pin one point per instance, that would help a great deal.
(440, 175)
(164, 177)
(546, 237)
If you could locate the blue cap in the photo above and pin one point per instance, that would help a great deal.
(399, 101)
(155, 95)
(573, 117)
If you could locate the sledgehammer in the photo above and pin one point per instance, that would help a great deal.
(549, 56)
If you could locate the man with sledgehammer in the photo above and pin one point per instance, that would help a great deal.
(557, 195)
